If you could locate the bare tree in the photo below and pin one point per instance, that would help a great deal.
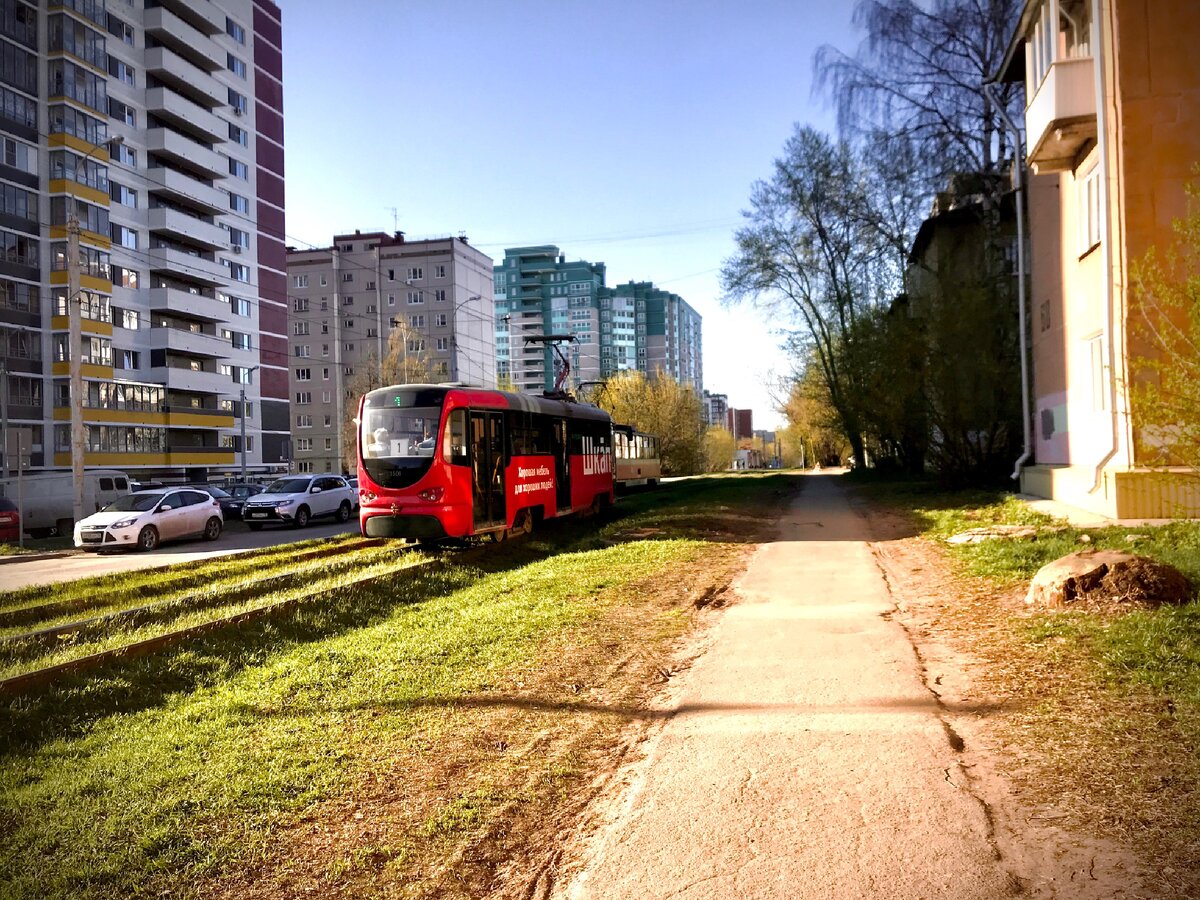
(919, 74)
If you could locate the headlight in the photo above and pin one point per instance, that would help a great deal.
(284, 504)
(124, 523)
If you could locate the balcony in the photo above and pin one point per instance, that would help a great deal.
(185, 152)
(187, 228)
(197, 306)
(203, 16)
(172, 69)
(185, 115)
(1061, 117)
(191, 381)
(191, 417)
(188, 41)
(185, 189)
(180, 340)
(187, 266)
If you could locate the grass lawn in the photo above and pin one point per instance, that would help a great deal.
(1109, 703)
(457, 703)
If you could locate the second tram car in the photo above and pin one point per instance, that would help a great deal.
(635, 458)
(441, 461)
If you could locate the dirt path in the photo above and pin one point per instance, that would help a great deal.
(806, 757)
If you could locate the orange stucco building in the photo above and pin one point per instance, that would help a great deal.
(1112, 129)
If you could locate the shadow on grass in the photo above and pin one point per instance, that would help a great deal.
(703, 509)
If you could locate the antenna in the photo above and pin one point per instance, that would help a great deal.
(395, 217)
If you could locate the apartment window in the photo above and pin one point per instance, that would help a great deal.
(416, 321)
(238, 203)
(235, 65)
(372, 332)
(235, 31)
(347, 300)
(391, 299)
(303, 398)
(440, 320)
(415, 297)
(237, 271)
(416, 346)
(439, 296)
(304, 421)
(299, 328)
(125, 237)
(415, 273)
(125, 359)
(130, 318)
(239, 169)
(123, 195)
(347, 323)
(371, 307)
(239, 307)
(324, 349)
(300, 304)
(328, 421)
(443, 343)
(347, 277)
(349, 348)
(239, 135)
(126, 155)
(300, 281)
(126, 278)
(1089, 210)
(238, 102)
(123, 31)
(303, 445)
(391, 274)
(303, 351)
(328, 441)
(122, 112)
(325, 373)
(324, 281)
(121, 71)
(237, 237)
(439, 271)
(19, 156)
(324, 328)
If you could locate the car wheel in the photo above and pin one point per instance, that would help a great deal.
(343, 513)
(148, 538)
(302, 517)
(212, 529)
(254, 526)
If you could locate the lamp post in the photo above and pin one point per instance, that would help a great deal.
(249, 372)
(75, 344)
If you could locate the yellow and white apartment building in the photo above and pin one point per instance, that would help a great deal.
(1112, 129)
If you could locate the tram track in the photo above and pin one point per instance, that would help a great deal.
(44, 676)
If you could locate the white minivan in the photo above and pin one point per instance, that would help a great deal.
(48, 498)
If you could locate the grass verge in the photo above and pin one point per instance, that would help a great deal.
(459, 707)
(1107, 706)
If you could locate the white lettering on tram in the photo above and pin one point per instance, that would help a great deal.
(596, 459)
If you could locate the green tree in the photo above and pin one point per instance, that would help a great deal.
(718, 447)
(1166, 356)
(663, 407)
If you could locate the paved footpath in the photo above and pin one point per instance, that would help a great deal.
(806, 758)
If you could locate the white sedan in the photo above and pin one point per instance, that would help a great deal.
(147, 518)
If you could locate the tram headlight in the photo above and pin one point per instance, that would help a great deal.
(431, 495)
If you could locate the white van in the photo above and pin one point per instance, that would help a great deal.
(49, 497)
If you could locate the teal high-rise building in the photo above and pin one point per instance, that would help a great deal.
(632, 326)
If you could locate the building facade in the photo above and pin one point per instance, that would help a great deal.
(157, 132)
(716, 409)
(425, 308)
(1112, 125)
(631, 326)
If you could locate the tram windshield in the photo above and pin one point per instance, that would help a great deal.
(398, 434)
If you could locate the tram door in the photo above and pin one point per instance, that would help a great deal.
(562, 469)
(487, 468)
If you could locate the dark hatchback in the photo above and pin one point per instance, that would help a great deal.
(231, 506)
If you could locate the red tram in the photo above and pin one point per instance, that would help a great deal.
(442, 461)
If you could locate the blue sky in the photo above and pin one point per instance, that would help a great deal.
(627, 133)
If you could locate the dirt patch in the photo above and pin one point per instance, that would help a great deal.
(1068, 804)
(472, 808)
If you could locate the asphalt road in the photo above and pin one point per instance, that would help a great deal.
(235, 539)
(805, 757)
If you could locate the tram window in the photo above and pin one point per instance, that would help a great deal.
(454, 447)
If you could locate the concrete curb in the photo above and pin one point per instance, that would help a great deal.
(27, 557)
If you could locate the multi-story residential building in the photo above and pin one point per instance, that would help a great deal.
(1112, 133)
(157, 131)
(716, 409)
(353, 301)
(652, 330)
(740, 423)
(632, 326)
(539, 293)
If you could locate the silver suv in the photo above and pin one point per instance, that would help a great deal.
(297, 498)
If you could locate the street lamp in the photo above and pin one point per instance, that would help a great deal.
(75, 342)
(247, 374)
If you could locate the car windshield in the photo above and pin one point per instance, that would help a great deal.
(215, 491)
(134, 503)
(288, 486)
(242, 491)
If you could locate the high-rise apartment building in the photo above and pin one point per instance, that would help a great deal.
(429, 304)
(632, 326)
(716, 409)
(156, 129)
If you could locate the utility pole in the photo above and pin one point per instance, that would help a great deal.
(75, 354)
(4, 412)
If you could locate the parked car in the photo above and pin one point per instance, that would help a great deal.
(244, 492)
(353, 482)
(231, 507)
(49, 497)
(135, 486)
(10, 520)
(147, 518)
(296, 499)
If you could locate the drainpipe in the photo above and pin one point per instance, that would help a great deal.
(1106, 248)
(1019, 178)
